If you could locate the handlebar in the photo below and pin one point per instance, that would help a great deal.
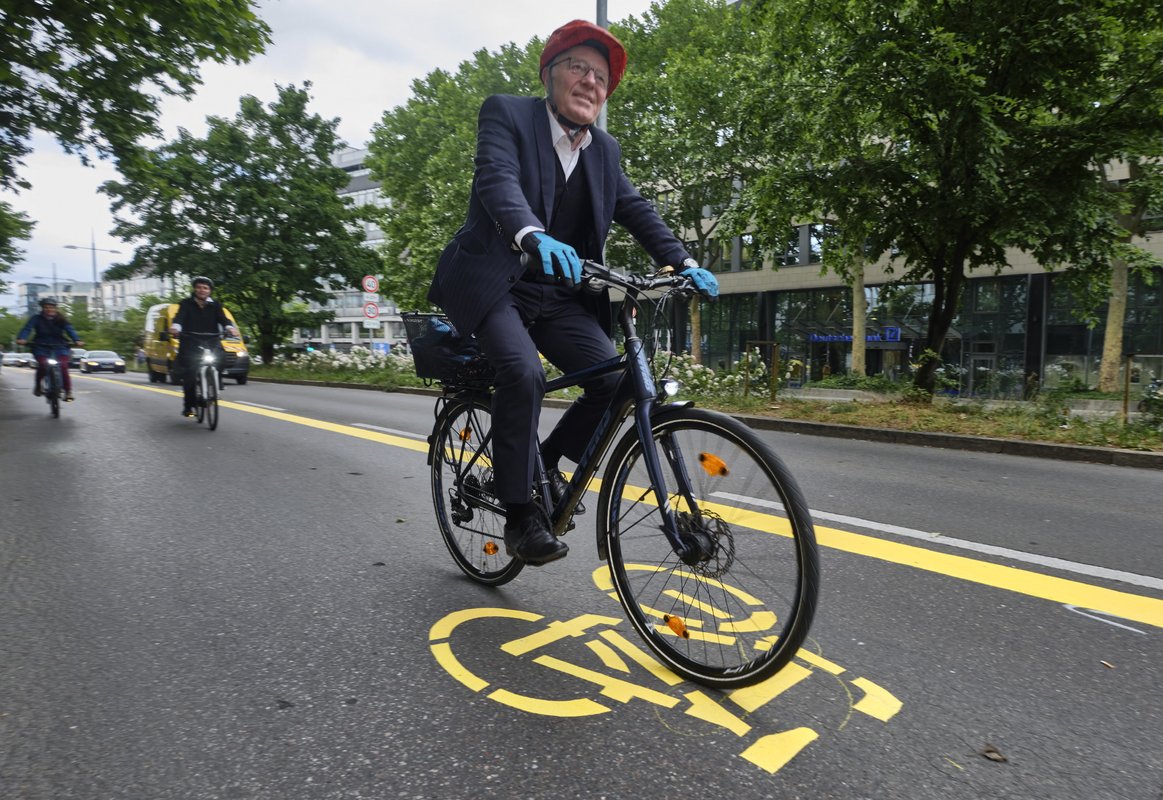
(596, 277)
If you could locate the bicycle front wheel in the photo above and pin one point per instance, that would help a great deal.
(211, 381)
(52, 390)
(471, 519)
(200, 396)
(738, 608)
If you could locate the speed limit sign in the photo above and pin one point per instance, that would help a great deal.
(371, 310)
(370, 283)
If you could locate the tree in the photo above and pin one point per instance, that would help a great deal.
(92, 74)
(1141, 192)
(14, 226)
(422, 155)
(254, 207)
(671, 116)
(951, 132)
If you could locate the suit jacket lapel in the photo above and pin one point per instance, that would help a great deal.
(597, 173)
(545, 158)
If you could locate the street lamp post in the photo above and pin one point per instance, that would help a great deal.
(98, 301)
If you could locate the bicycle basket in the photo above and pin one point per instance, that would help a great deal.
(440, 353)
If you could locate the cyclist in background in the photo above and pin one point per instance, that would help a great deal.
(550, 184)
(53, 336)
(198, 313)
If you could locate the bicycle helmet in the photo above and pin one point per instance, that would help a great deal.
(203, 279)
(48, 301)
(579, 32)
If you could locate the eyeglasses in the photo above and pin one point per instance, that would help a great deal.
(579, 69)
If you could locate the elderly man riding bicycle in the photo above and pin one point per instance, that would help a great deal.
(549, 184)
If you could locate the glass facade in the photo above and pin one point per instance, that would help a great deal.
(1007, 328)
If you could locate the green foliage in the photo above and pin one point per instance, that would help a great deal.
(14, 226)
(422, 154)
(672, 116)
(948, 133)
(92, 74)
(10, 325)
(253, 206)
(864, 383)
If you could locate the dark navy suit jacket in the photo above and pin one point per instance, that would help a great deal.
(513, 188)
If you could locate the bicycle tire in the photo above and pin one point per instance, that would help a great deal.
(52, 391)
(211, 399)
(200, 396)
(470, 517)
(739, 616)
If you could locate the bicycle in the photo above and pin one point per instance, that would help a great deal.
(208, 381)
(708, 539)
(52, 384)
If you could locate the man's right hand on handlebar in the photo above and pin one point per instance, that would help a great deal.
(558, 259)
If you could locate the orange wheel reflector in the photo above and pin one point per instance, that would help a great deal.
(714, 465)
(465, 434)
(491, 548)
(676, 624)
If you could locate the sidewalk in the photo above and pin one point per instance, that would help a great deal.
(978, 444)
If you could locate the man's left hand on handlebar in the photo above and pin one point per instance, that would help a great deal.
(704, 280)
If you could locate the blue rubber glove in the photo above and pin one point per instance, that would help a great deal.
(703, 280)
(558, 259)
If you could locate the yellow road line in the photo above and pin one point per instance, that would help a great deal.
(1134, 607)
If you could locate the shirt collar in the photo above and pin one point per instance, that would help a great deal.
(560, 137)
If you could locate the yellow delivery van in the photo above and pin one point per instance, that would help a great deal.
(161, 349)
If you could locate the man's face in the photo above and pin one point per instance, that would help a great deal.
(579, 97)
(201, 291)
(49, 310)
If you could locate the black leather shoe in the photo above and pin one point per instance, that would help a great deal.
(187, 411)
(558, 486)
(529, 540)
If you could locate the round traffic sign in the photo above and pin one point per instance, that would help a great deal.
(370, 283)
(371, 310)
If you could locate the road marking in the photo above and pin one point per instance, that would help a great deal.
(409, 434)
(1102, 618)
(1130, 607)
(1089, 570)
(255, 405)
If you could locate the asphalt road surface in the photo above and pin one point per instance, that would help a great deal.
(267, 611)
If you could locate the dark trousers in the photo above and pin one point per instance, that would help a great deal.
(62, 362)
(190, 361)
(550, 319)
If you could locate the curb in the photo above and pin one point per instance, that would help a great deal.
(978, 444)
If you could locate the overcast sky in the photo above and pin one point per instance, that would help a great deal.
(361, 57)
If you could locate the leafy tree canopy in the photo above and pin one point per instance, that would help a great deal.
(92, 72)
(949, 132)
(254, 207)
(672, 117)
(14, 226)
(422, 154)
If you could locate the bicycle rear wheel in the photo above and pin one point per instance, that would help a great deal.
(471, 519)
(211, 399)
(743, 608)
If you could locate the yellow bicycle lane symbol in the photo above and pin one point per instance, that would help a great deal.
(612, 659)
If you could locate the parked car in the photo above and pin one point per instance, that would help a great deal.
(102, 361)
(17, 359)
(75, 356)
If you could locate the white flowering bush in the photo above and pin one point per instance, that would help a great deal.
(700, 381)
